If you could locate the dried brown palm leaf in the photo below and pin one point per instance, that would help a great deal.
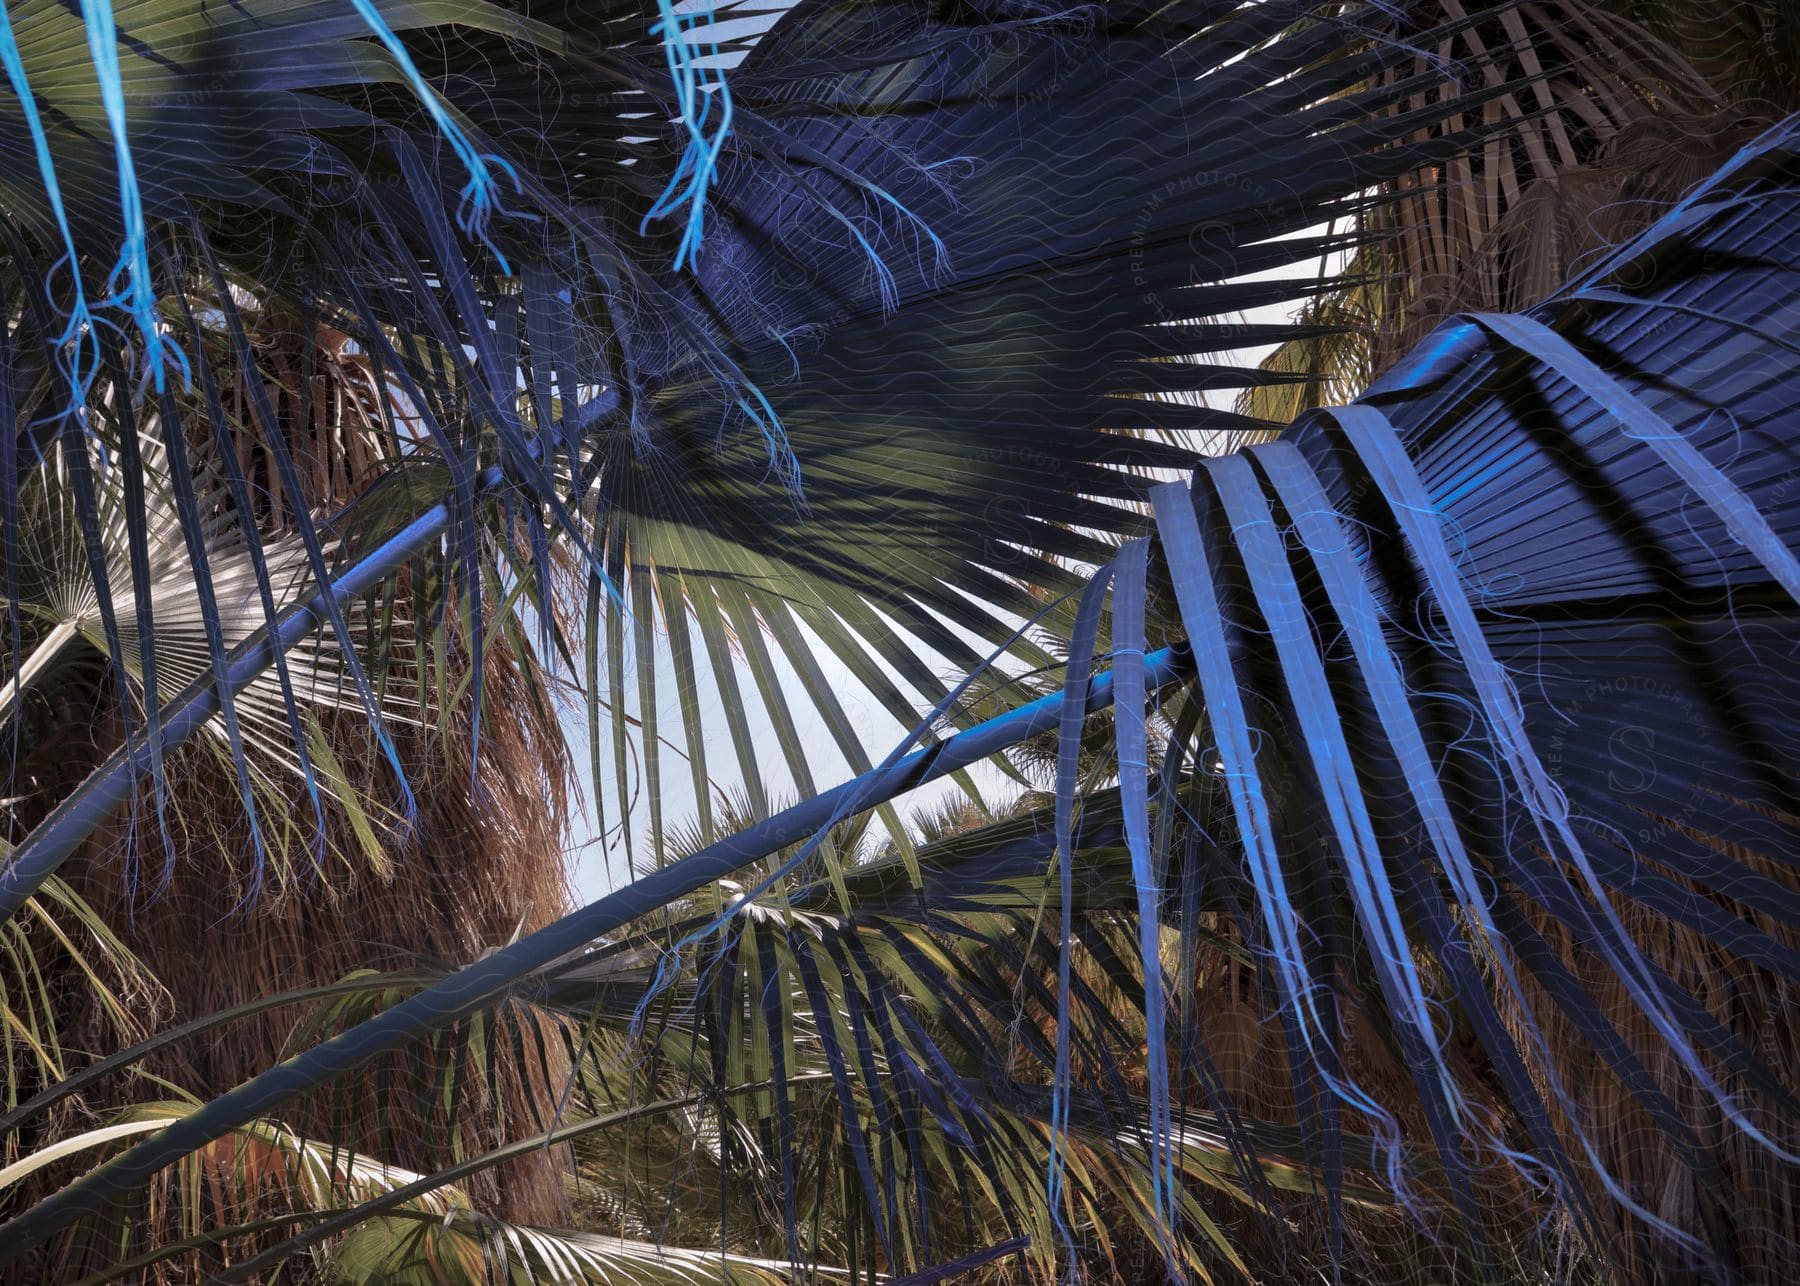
(482, 860)
(1607, 124)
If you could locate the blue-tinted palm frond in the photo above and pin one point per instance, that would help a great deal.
(1519, 598)
(901, 293)
(1435, 766)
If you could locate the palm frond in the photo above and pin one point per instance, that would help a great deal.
(1606, 125)
(59, 937)
(425, 1233)
(950, 326)
(1535, 538)
(843, 241)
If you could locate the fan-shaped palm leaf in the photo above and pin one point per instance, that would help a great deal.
(843, 246)
(576, 400)
(1610, 123)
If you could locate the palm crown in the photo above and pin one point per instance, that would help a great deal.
(374, 370)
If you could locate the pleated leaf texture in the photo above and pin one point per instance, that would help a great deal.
(1492, 667)
(1499, 732)
(965, 260)
(1424, 767)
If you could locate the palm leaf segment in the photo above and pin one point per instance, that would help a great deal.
(1431, 630)
(1439, 794)
(272, 729)
(1407, 749)
(999, 324)
(60, 595)
(429, 1236)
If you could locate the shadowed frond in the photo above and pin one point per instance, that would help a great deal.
(1608, 123)
(1427, 880)
(898, 295)
(1434, 627)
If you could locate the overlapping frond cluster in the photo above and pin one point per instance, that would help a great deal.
(933, 286)
(1494, 734)
(58, 594)
(1617, 109)
(934, 320)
